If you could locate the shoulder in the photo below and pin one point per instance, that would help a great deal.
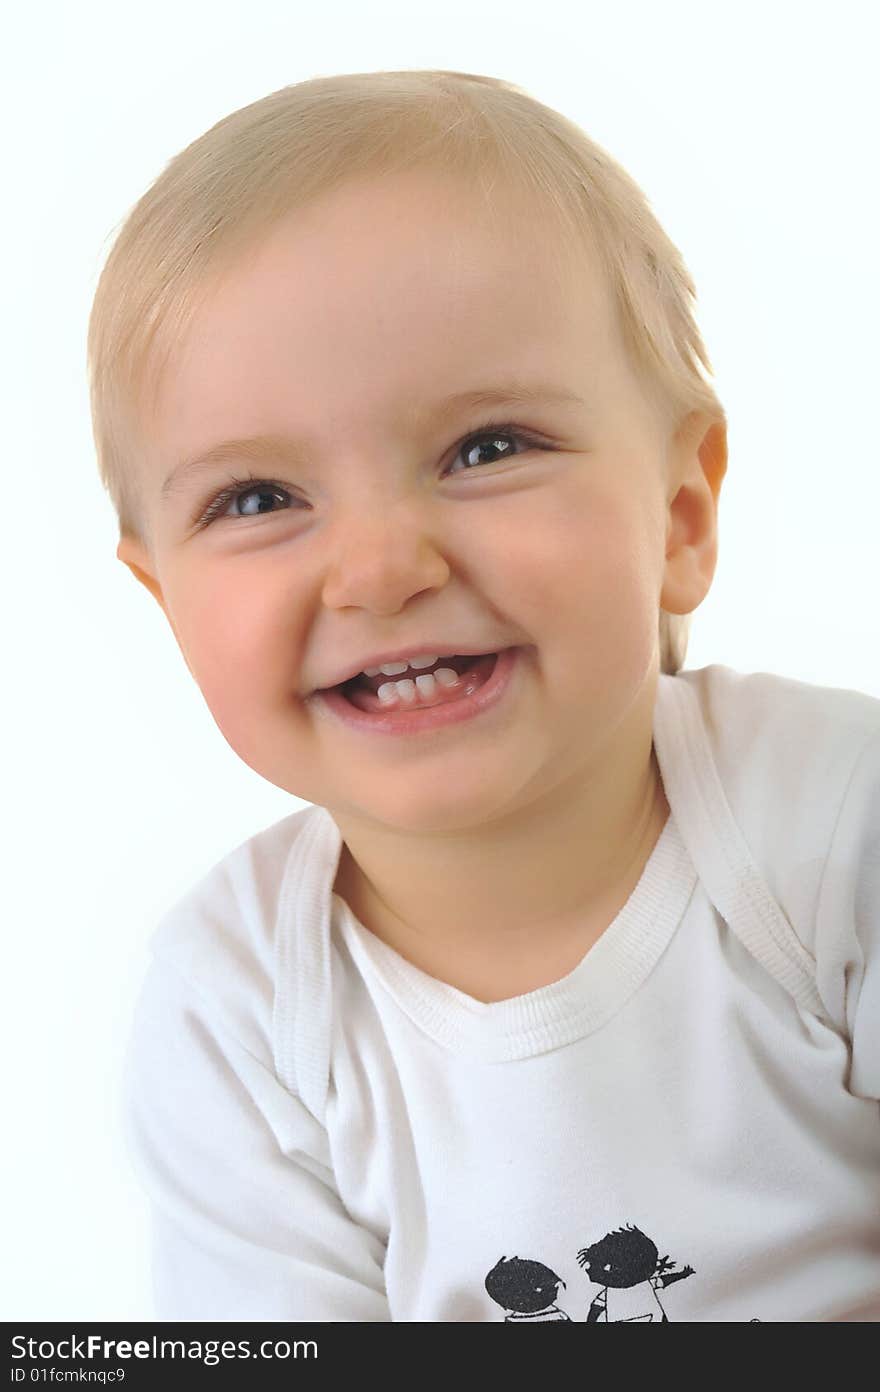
(221, 937)
(745, 710)
(771, 735)
(793, 758)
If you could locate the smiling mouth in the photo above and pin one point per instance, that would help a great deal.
(448, 680)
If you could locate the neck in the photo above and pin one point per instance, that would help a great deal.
(512, 906)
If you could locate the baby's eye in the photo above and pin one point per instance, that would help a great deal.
(492, 437)
(238, 489)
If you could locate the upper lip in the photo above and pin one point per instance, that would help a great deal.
(446, 648)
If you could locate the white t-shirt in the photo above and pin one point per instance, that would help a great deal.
(685, 1127)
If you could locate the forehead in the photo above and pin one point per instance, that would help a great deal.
(380, 297)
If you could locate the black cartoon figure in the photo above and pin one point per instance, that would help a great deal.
(527, 1289)
(626, 1266)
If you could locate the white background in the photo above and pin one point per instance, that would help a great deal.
(753, 130)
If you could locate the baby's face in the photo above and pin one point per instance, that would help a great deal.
(384, 527)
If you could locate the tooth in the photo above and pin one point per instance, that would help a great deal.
(390, 693)
(393, 669)
(397, 691)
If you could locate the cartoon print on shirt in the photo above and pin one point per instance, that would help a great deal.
(625, 1264)
(526, 1289)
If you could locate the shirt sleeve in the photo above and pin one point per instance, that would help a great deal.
(247, 1221)
(850, 899)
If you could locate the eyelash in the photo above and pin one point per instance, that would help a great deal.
(237, 486)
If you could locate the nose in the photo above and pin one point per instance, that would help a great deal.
(381, 556)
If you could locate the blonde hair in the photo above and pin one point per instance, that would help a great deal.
(227, 189)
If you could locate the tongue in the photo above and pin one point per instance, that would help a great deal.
(458, 664)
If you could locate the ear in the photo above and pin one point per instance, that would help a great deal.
(135, 555)
(697, 465)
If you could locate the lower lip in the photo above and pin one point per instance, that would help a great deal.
(415, 722)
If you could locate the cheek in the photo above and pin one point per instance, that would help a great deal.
(581, 564)
(231, 628)
(582, 582)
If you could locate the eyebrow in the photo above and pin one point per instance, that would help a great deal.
(263, 449)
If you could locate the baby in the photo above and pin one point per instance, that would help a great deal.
(560, 997)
